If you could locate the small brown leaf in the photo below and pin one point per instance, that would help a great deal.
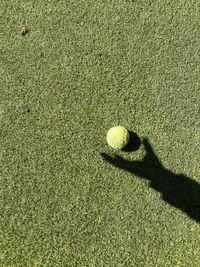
(24, 31)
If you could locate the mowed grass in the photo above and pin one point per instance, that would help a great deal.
(83, 67)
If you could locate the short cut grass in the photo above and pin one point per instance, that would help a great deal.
(81, 67)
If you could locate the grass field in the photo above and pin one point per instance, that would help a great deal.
(67, 198)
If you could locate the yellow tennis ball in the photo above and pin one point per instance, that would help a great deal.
(118, 137)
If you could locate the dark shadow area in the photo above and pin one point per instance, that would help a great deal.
(178, 190)
(133, 144)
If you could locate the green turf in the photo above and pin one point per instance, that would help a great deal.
(83, 67)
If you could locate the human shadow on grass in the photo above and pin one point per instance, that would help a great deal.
(178, 190)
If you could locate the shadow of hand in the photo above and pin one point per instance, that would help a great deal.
(176, 189)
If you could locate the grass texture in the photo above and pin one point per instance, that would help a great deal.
(81, 68)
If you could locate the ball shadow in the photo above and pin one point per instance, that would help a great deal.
(134, 143)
